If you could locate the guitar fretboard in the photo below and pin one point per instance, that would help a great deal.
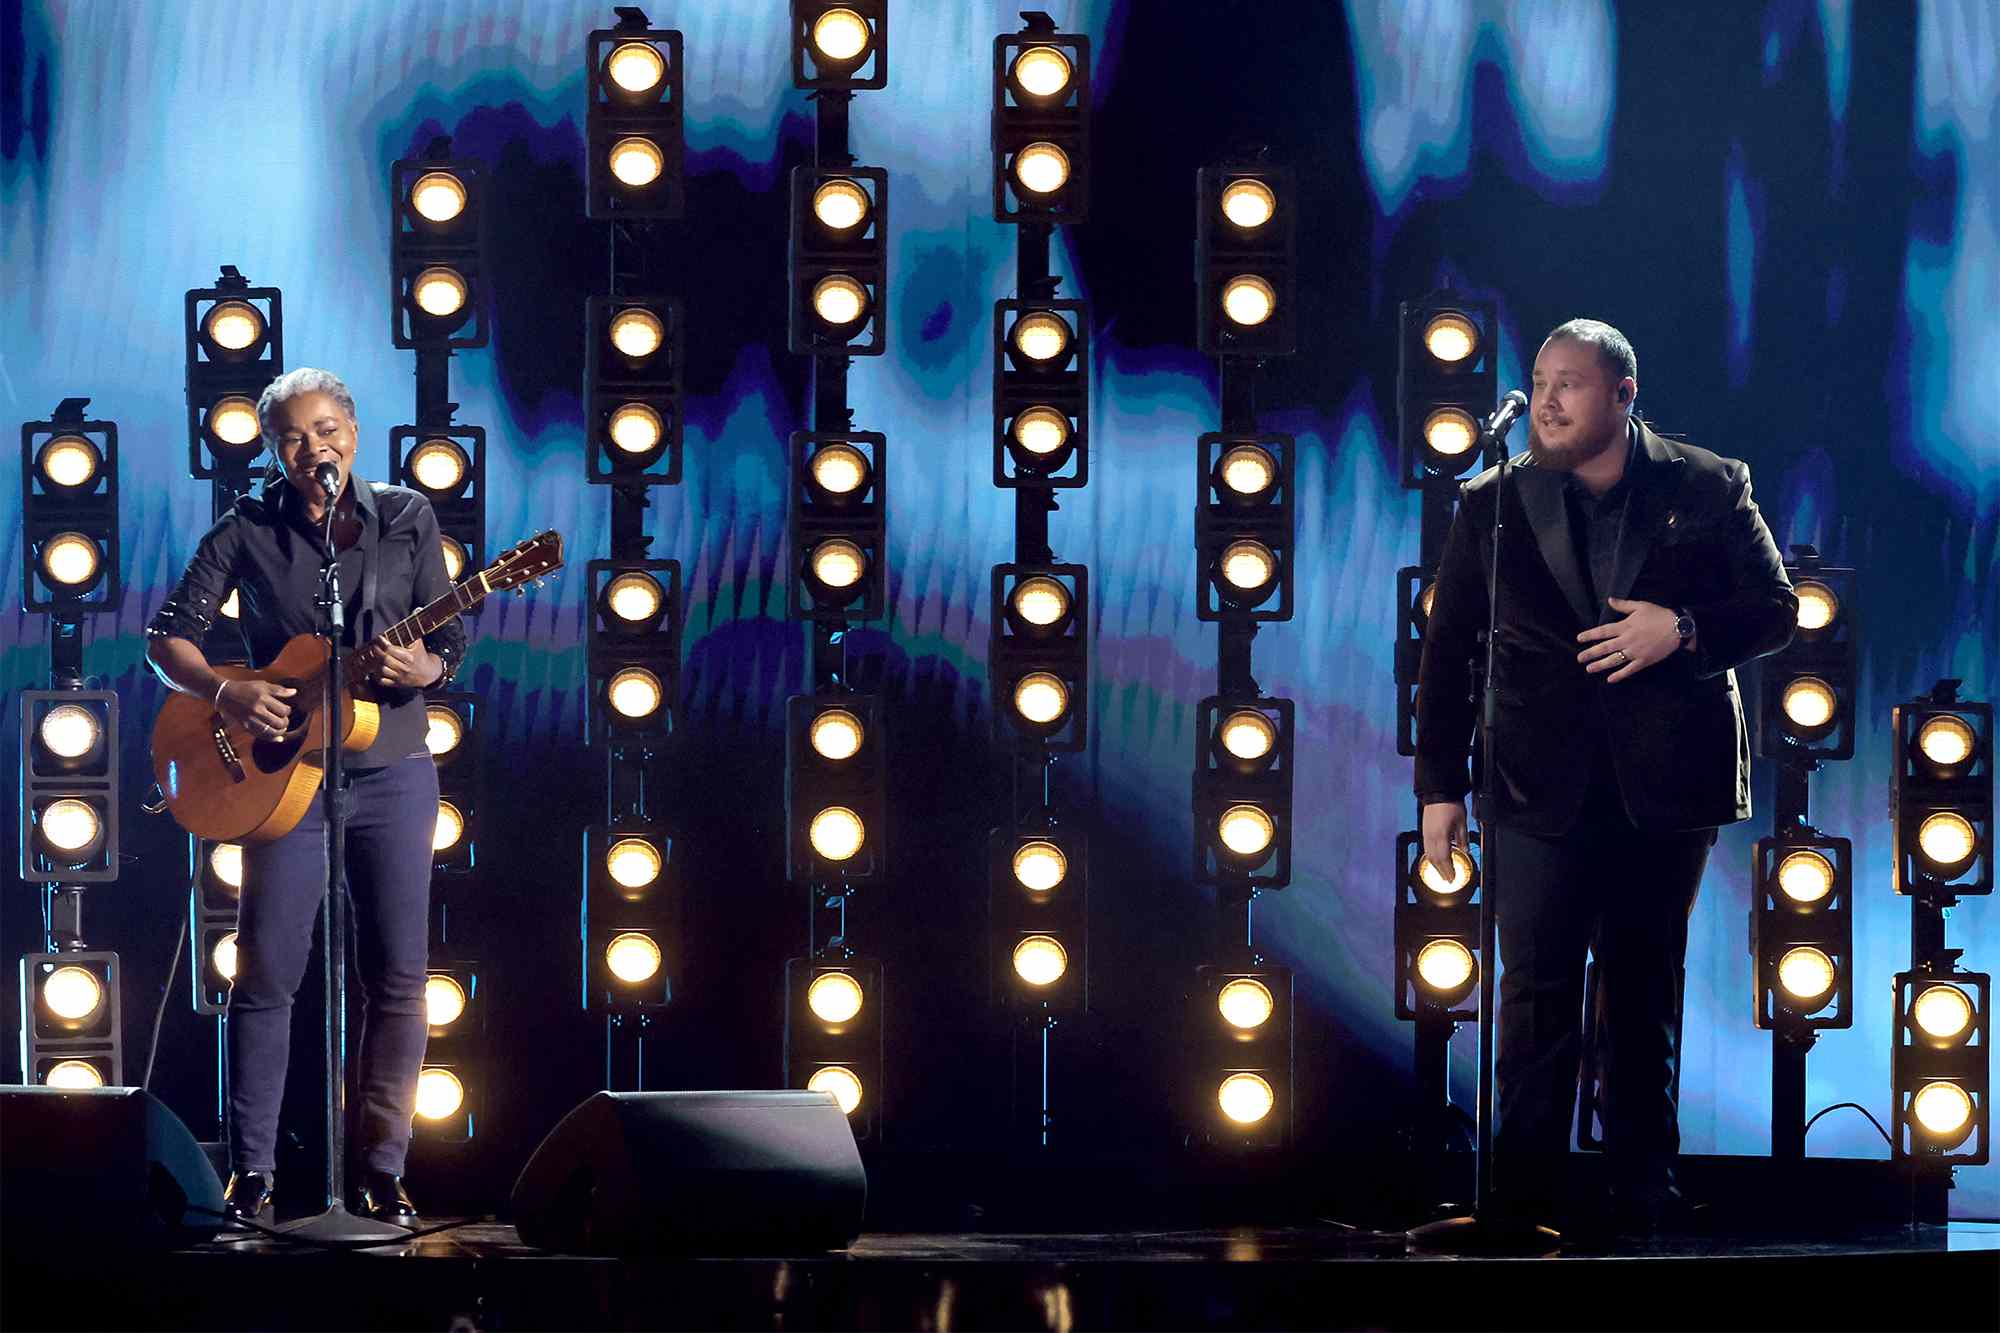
(424, 620)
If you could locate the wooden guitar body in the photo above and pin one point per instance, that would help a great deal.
(224, 784)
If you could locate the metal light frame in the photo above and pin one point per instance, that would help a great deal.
(1776, 926)
(1066, 125)
(1223, 252)
(1216, 789)
(606, 121)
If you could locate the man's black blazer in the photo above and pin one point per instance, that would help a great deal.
(1692, 539)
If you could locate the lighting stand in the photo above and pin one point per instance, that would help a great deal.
(1790, 1042)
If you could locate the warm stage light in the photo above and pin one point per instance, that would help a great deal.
(438, 196)
(438, 465)
(1248, 734)
(449, 829)
(70, 825)
(1805, 877)
(1247, 299)
(1245, 1003)
(1446, 966)
(225, 862)
(1041, 168)
(439, 1094)
(69, 731)
(1040, 961)
(1041, 697)
(838, 563)
(233, 421)
(636, 67)
(69, 560)
(1039, 866)
(1041, 337)
(1461, 873)
(454, 557)
(1943, 1110)
(1943, 1014)
(1817, 604)
(637, 332)
(1041, 72)
(636, 429)
(443, 729)
(440, 292)
(1450, 432)
(233, 326)
(223, 957)
(1450, 337)
(634, 597)
(1248, 566)
(637, 162)
(1947, 840)
(1248, 470)
(1041, 430)
(632, 958)
(835, 735)
(836, 833)
(840, 204)
(1426, 598)
(632, 863)
(444, 1001)
(841, 1082)
(1248, 204)
(1245, 1098)
(1040, 601)
(1806, 976)
(1246, 830)
(834, 997)
(72, 993)
(1946, 740)
(839, 300)
(635, 693)
(841, 35)
(839, 469)
(73, 1074)
(1809, 703)
(69, 461)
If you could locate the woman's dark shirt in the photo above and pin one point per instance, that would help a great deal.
(269, 552)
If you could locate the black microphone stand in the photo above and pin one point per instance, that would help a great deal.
(1485, 1229)
(336, 1223)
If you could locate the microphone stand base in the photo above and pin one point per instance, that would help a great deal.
(1474, 1234)
(337, 1224)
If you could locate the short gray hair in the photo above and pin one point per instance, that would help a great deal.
(1612, 347)
(293, 383)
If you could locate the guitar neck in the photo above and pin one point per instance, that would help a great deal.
(425, 619)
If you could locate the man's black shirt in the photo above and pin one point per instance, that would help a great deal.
(1596, 524)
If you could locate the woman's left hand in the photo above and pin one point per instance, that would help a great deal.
(412, 668)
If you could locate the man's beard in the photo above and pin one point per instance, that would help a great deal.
(1568, 457)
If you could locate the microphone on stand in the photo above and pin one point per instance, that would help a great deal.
(328, 477)
(1503, 419)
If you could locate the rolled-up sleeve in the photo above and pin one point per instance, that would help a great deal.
(431, 582)
(204, 586)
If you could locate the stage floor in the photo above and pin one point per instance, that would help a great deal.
(481, 1276)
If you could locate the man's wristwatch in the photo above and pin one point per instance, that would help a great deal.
(1683, 625)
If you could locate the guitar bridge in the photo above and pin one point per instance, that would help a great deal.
(226, 752)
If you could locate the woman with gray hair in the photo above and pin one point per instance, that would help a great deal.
(268, 549)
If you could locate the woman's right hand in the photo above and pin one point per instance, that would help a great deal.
(257, 705)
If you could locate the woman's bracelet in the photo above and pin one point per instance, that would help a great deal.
(219, 688)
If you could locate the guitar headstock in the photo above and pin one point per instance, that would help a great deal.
(525, 562)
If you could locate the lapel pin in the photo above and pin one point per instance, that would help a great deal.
(1671, 516)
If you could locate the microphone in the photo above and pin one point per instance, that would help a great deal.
(328, 477)
(1510, 409)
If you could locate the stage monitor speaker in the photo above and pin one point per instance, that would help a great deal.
(695, 1172)
(100, 1168)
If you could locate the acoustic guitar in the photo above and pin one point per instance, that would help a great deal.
(227, 785)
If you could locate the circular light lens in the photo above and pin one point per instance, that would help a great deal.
(69, 731)
(1041, 601)
(1450, 337)
(72, 993)
(632, 863)
(1809, 703)
(1041, 430)
(1445, 966)
(636, 67)
(1947, 839)
(1041, 168)
(1041, 697)
(1817, 604)
(1805, 877)
(233, 421)
(444, 1001)
(1248, 204)
(454, 558)
(1461, 873)
(841, 1082)
(839, 300)
(1245, 1098)
(632, 957)
(233, 325)
(1041, 336)
(70, 460)
(834, 997)
(1246, 830)
(444, 729)
(1245, 1003)
(223, 957)
(1040, 961)
(835, 735)
(225, 862)
(838, 563)
(1942, 1109)
(1450, 432)
(1248, 565)
(439, 1094)
(635, 692)
(73, 1074)
(69, 825)
(637, 162)
(1042, 72)
(839, 469)
(69, 559)
(1039, 866)
(438, 465)
(634, 597)
(636, 429)
(1247, 299)
(841, 35)
(1946, 740)
(835, 833)
(438, 196)
(840, 204)
(637, 332)
(1806, 976)
(449, 829)
(1248, 734)
(1248, 470)
(1943, 1013)
(440, 292)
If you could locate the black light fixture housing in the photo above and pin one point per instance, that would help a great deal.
(816, 1046)
(217, 374)
(814, 783)
(1460, 389)
(644, 388)
(612, 910)
(859, 253)
(1034, 403)
(614, 645)
(213, 906)
(1223, 1050)
(815, 517)
(817, 68)
(1822, 653)
(616, 114)
(1963, 1061)
(1226, 252)
(1020, 911)
(460, 507)
(1059, 119)
(1222, 782)
(1954, 798)
(54, 514)
(1781, 922)
(1224, 517)
(419, 246)
(49, 1039)
(49, 777)
(1424, 916)
(1017, 650)
(457, 1047)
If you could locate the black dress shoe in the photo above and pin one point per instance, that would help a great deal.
(248, 1197)
(381, 1196)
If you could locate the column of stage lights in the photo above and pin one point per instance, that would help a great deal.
(836, 511)
(1240, 1016)
(1802, 911)
(1941, 834)
(633, 339)
(438, 306)
(234, 341)
(1039, 651)
(1445, 387)
(69, 748)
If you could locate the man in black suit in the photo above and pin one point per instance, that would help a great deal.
(1635, 575)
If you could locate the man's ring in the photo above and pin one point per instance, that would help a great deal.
(1622, 658)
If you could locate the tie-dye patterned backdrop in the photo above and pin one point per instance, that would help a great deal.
(1789, 207)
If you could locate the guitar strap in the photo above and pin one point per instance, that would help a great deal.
(371, 558)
